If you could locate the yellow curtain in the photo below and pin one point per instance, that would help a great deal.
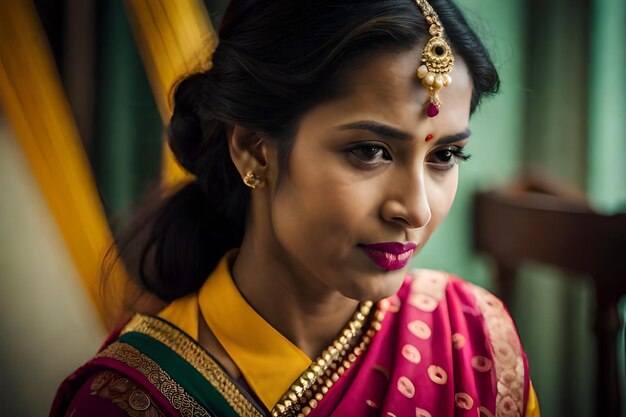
(34, 103)
(175, 38)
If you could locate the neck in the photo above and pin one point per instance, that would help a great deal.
(298, 305)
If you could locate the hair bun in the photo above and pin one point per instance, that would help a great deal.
(185, 129)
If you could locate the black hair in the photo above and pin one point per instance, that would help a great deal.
(275, 60)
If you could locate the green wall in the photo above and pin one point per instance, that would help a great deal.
(129, 138)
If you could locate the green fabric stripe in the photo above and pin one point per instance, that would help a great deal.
(182, 372)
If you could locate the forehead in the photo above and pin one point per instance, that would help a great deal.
(385, 87)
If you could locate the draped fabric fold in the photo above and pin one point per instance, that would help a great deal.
(34, 103)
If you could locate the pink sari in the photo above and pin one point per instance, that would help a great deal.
(446, 348)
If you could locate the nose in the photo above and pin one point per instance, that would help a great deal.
(407, 204)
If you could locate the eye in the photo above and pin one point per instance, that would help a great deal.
(370, 154)
(446, 158)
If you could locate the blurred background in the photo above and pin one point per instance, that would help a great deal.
(83, 100)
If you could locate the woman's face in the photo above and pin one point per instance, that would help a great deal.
(361, 172)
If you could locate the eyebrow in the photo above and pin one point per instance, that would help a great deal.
(378, 128)
(391, 132)
(446, 140)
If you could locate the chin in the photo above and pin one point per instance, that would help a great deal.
(376, 286)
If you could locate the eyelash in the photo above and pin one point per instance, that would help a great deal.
(369, 159)
(457, 154)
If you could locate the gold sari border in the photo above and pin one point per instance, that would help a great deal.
(161, 380)
(507, 354)
(196, 356)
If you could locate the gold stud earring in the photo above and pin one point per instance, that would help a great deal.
(251, 180)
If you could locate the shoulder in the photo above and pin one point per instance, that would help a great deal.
(112, 394)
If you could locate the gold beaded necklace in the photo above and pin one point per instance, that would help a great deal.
(309, 389)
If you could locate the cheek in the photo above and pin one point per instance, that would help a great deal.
(322, 210)
(441, 191)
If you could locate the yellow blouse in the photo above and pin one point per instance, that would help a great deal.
(256, 347)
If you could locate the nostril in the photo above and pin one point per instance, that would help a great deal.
(403, 221)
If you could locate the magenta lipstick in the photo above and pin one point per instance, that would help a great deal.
(390, 256)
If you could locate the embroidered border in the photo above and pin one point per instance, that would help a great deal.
(161, 380)
(509, 364)
(124, 393)
(187, 348)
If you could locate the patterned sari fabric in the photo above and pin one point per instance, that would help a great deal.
(446, 348)
(443, 347)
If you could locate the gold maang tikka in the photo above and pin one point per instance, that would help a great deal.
(437, 59)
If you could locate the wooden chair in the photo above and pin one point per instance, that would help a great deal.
(527, 223)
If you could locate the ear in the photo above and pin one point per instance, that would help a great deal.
(248, 150)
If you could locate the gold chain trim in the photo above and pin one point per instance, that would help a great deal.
(188, 349)
(313, 384)
(161, 380)
(507, 354)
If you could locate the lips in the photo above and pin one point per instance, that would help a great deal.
(390, 256)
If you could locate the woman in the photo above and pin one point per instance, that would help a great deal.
(325, 143)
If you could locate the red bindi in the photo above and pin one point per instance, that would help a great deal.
(429, 137)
